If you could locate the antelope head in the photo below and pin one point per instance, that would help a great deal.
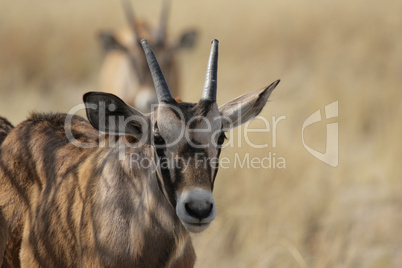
(186, 137)
(125, 70)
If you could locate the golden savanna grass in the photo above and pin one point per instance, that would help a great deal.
(308, 214)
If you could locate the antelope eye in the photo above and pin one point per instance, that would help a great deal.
(160, 146)
(158, 140)
(221, 138)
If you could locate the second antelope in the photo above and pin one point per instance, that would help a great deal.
(125, 72)
(73, 197)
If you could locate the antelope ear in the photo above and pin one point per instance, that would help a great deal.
(109, 42)
(108, 113)
(246, 107)
(187, 40)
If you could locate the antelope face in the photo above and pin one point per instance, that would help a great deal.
(186, 137)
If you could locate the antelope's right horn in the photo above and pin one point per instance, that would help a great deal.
(211, 78)
(161, 87)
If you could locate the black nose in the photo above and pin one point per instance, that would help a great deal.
(199, 210)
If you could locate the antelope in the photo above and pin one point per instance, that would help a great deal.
(125, 71)
(102, 192)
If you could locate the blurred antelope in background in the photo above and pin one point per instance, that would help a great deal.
(125, 72)
(73, 197)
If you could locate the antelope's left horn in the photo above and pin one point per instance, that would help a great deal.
(161, 87)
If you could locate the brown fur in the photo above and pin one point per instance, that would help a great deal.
(65, 206)
(5, 128)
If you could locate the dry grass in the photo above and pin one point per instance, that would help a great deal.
(307, 215)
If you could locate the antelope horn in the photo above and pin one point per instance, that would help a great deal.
(210, 84)
(161, 87)
(128, 11)
(163, 21)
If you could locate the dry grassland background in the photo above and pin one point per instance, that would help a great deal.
(308, 214)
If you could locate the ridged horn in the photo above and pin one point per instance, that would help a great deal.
(210, 84)
(161, 87)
